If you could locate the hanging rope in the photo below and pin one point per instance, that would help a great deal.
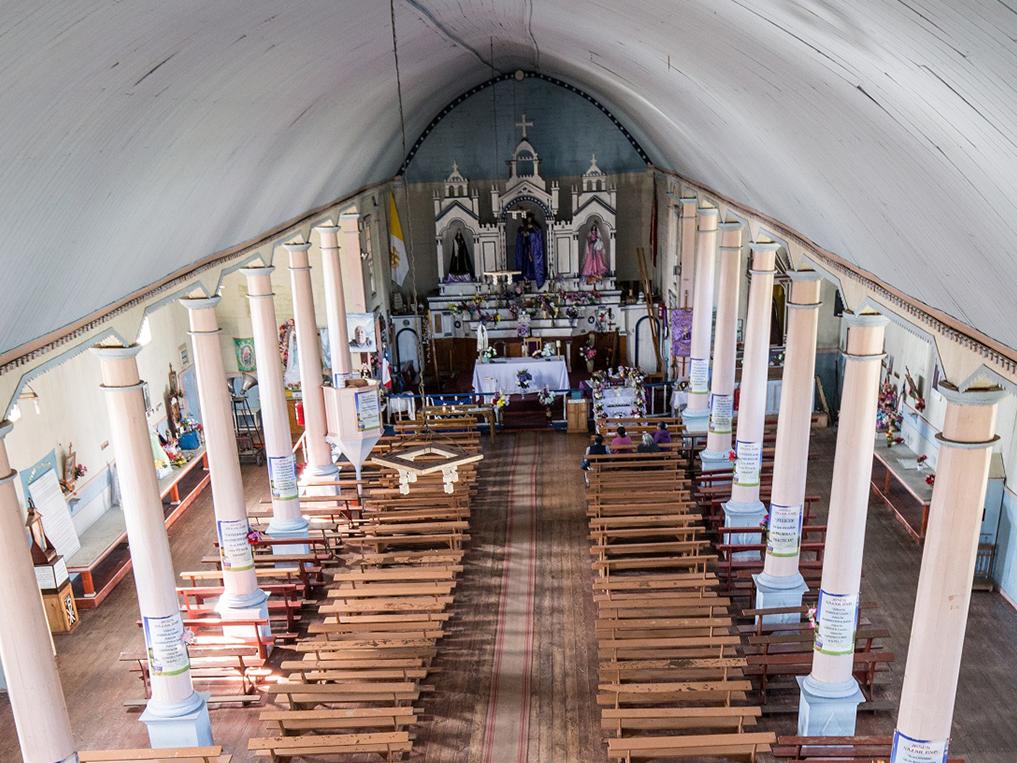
(414, 299)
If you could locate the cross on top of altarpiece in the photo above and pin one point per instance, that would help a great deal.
(523, 124)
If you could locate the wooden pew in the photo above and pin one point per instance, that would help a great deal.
(209, 754)
(392, 745)
(744, 746)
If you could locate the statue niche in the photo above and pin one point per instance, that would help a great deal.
(593, 244)
(527, 240)
(459, 242)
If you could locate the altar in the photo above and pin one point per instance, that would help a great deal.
(502, 375)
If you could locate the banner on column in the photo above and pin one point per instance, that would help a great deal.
(784, 533)
(748, 464)
(699, 376)
(282, 476)
(908, 750)
(721, 412)
(164, 640)
(234, 547)
(837, 618)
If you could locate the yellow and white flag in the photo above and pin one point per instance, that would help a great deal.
(396, 245)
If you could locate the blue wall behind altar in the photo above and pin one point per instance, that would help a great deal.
(480, 134)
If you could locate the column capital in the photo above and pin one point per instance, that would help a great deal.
(115, 351)
(865, 320)
(200, 303)
(299, 246)
(329, 235)
(257, 270)
(971, 395)
(764, 247)
(804, 275)
(731, 225)
(708, 212)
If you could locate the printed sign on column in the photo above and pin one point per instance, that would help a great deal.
(749, 463)
(282, 476)
(699, 376)
(721, 414)
(164, 639)
(784, 536)
(908, 750)
(234, 548)
(837, 617)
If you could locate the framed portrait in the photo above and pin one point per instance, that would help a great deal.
(245, 354)
(360, 332)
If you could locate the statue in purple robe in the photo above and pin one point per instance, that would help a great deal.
(530, 252)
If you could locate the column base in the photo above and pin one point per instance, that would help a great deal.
(745, 515)
(714, 460)
(253, 606)
(826, 709)
(313, 473)
(293, 528)
(773, 592)
(190, 727)
(695, 421)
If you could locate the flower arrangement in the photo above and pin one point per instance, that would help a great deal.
(546, 397)
(922, 459)
(732, 456)
(811, 614)
(628, 377)
(523, 327)
(589, 352)
(487, 354)
(930, 480)
(188, 637)
(764, 523)
(253, 537)
(523, 378)
(501, 400)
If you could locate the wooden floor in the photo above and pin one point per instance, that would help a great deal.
(563, 718)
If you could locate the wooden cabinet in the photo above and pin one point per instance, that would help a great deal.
(61, 611)
(578, 413)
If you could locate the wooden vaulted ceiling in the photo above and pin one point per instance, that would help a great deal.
(137, 138)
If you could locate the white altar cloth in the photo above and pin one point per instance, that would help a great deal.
(500, 375)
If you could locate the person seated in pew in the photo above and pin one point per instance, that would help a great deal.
(663, 435)
(648, 444)
(621, 440)
(598, 448)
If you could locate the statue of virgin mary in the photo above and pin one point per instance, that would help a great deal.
(595, 256)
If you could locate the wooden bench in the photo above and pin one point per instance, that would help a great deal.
(394, 718)
(622, 719)
(744, 746)
(210, 754)
(392, 744)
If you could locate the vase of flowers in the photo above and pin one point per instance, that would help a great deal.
(589, 355)
(523, 378)
(487, 354)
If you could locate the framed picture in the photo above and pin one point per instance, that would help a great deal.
(360, 331)
(245, 354)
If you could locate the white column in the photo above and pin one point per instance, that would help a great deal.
(687, 235)
(718, 433)
(696, 413)
(944, 583)
(335, 305)
(745, 509)
(287, 520)
(26, 649)
(242, 599)
(176, 715)
(830, 695)
(781, 584)
(319, 453)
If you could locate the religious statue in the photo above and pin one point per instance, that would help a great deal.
(594, 258)
(172, 402)
(530, 251)
(460, 268)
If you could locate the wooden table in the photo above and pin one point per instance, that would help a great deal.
(104, 559)
(912, 507)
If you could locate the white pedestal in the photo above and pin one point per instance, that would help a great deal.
(775, 592)
(744, 515)
(179, 727)
(828, 709)
(695, 421)
(296, 528)
(254, 606)
(714, 461)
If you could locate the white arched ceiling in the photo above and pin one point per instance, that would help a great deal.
(139, 137)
